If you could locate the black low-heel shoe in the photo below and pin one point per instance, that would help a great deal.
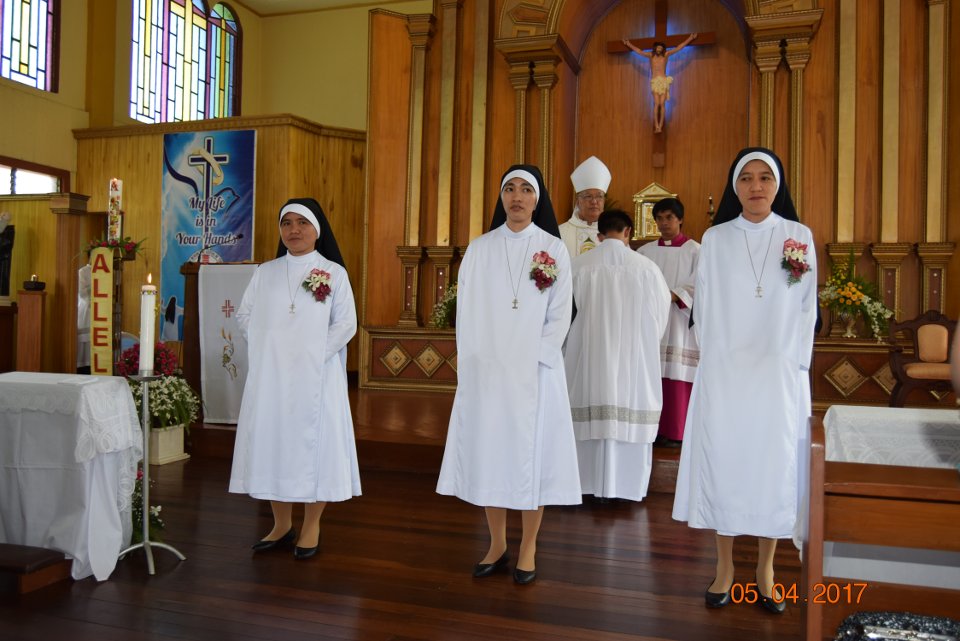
(716, 599)
(300, 553)
(771, 605)
(286, 539)
(523, 577)
(481, 570)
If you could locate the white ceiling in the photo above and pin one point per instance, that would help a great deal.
(284, 7)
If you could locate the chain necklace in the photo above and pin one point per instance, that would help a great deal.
(763, 266)
(296, 287)
(516, 290)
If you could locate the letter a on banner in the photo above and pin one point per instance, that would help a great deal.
(101, 311)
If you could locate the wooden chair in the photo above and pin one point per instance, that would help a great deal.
(887, 505)
(926, 365)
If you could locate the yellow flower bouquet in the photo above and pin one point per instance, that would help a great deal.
(851, 297)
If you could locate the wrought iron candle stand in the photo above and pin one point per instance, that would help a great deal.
(144, 379)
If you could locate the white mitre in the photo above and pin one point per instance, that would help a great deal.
(590, 174)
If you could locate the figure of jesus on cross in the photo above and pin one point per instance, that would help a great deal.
(659, 80)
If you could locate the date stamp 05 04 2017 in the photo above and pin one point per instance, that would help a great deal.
(821, 593)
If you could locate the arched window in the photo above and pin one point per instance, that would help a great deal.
(30, 42)
(185, 62)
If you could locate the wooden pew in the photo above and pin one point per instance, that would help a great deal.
(877, 505)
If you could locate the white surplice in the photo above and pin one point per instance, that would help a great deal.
(612, 362)
(510, 442)
(578, 236)
(295, 437)
(746, 427)
(679, 350)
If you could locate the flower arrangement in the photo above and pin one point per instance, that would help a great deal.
(155, 524)
(851, 296)
(794, 261)
(445, 310)
(318, 284)
(126, 245)
(172, 400)
(543, 270)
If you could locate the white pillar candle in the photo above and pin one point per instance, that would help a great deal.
(148, 323)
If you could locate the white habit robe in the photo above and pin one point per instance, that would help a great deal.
(679, 350)
(613, 368)
(747, 423)
(295, 439)
(578, 236)
(510, 441)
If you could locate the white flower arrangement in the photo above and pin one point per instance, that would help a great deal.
(172, 401)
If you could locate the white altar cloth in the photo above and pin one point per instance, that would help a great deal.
(893, 436)
(69, 447)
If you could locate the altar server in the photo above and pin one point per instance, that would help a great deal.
(295, 441)
(676, 256)
(590, 179)
(747, 424)
(613, 362)
(510, 442)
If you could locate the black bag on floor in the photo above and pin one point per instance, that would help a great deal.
(897, 626)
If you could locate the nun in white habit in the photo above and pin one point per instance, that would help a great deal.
(295, 441)
(510, 443)
(746, 430)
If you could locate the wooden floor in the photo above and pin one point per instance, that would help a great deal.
(395, 564)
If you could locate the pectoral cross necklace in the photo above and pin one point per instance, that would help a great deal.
(763, 265)
(292, 293)
(516, 290)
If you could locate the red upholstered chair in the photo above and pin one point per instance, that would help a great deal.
(927, 363)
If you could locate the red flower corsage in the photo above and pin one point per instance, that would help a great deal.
(543, 270)
(794, 260)
(318, 284)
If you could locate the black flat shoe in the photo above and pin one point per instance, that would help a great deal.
(770, 605)
(481, 570)
(286, 539)
(300, 553)
(523, 577)
(716, 599)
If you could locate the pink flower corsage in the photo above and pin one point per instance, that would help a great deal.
(318, 284)
(543, 270)
(794, 260)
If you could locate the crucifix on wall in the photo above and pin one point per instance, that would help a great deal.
(661, 46)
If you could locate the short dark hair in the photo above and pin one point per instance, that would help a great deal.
(659, 44)
(614, 220)
(669, 204)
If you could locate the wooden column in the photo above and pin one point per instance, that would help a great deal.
(520, 81)
(478, 117)
(410, 259)
(797, 55)
(934, 258)
(30, 310)
(420, 28)
(938, 38)
(70, 210)
(767, 57)
(889, 257)
(545, 77)
(450, 26)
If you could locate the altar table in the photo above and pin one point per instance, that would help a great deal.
(69, 447)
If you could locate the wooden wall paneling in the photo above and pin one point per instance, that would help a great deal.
(867, 169)
(275, 184)
(565, 157)
(781, 118)
(820, 137)
(912, 124)
(952, 308)
(35, 236)
(386, 166)
(463, 127)
(430, 170)
(500, 128)
(707, 121)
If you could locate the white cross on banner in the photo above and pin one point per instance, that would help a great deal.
(223, 348)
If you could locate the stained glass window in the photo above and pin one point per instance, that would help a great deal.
(185, 61)
(29, 42)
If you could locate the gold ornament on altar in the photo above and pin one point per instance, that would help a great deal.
(644, 227)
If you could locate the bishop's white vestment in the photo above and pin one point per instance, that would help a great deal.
(747, 423)
(679, 350)
(510, 440)
(612, 361)
(295, 439)
(578, 235)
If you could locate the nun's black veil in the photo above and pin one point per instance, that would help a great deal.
(326, 243)
(543, 215)
(730, 207)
